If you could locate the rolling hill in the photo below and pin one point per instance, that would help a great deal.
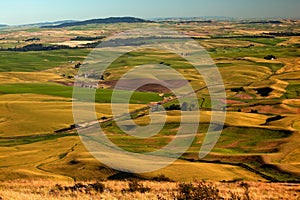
(109, 20)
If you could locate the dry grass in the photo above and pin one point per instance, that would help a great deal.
(73, 43)
(243, 74)
(295, 75)
(291, 65)
(45, 189)
(261, 60)
(290, 41)
(238, 119)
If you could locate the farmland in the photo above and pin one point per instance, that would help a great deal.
(259, 140)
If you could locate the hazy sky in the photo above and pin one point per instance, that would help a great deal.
(29, 11)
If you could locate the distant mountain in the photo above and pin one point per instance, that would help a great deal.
(109, 20)
(41, 24)
(186, 19)
(3, 25)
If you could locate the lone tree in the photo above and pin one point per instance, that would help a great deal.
(270, 57)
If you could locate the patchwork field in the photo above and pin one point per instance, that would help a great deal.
(259, 65)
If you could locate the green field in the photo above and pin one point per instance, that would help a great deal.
(259, 52)
(37, 61)
(101, 95)
(266, 41)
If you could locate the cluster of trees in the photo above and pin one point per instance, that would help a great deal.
(197, 21)
(264, 92)
(41, 47)
(283, 34)
(263, 22)
(173, 107)
(76, 66)
(86, 38)
(240, 89)
(37, 47)
(91, 45)
(242, 36)
(270, 57)
(32, 39)
(275, 118)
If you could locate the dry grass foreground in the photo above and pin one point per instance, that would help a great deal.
(42, 189)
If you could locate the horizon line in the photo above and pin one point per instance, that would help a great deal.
(158, 18)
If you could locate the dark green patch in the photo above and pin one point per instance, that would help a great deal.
(265, 41)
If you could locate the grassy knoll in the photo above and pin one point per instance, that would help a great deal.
(207, 171)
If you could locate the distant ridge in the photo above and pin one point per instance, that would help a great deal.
(109, 20)
(55, 23)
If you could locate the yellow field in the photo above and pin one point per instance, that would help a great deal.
(28, 77)
(29, 114)
(232, 119)
(44, 160)
(205, 171)
(225, 43)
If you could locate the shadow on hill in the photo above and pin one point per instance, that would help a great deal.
(126, 176)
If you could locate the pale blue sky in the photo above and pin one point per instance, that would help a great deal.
(29, 11)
